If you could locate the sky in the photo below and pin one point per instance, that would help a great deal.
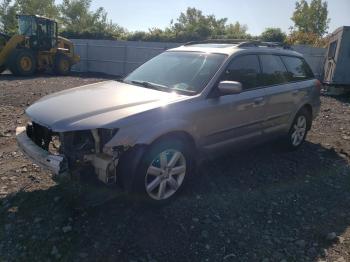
(256, 14)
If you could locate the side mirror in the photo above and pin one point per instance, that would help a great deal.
(230, 87)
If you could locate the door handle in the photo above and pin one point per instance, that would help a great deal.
(295, 92)
(259, 101)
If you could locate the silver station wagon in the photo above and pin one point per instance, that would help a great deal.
(148, 131)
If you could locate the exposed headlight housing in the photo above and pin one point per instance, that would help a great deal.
(102, 136)
(106, 135)
(115, 151)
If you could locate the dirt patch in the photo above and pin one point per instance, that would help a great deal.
(256, 205)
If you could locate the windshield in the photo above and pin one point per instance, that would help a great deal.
(26, 25)
(188, 72)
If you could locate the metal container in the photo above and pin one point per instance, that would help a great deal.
(337, 60)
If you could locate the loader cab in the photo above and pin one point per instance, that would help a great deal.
(40, 31)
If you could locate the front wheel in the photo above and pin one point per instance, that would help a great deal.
(299, 129)
(62, 65)
(2, 69)
(163, 171)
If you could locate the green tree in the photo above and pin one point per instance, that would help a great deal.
(311, 18)
(74, 14)
(38, 7)
(193, 25)
(273, 35)
(8, 20)
(301, 38)
(236, 31)
(78, 21)
(9, 9)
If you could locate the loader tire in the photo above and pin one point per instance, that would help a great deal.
(2, 69)
(62, 65)
(22, 62)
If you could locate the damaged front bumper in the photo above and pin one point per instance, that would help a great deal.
(55, 163)
(103, 164)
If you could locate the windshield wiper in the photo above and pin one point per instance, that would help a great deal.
(160, 87)
(150, 85)
(186, 91)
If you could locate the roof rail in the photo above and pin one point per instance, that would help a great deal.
(265, 44)
(216, 41)
(240, 43)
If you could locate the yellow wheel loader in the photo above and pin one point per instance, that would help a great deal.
(36, 48)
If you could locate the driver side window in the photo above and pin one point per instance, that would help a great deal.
(244, 69)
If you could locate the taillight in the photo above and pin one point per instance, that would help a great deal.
(318, 85)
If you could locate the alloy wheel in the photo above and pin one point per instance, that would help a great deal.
(299, 130)
(165, 174)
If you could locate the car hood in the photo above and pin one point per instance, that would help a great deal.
(97, 105)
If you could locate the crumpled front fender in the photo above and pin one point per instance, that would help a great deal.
(148, 134)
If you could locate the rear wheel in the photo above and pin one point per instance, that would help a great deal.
(299, 129)
(62, 65)
(22, 62)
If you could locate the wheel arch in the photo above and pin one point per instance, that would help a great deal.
(151, 132)
(129, 162)
(180, 134)
(306, 106)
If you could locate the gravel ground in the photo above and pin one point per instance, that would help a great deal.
(257, 205)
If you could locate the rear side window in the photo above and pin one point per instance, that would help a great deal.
(244, 69)
(298, 68)
(273, 70)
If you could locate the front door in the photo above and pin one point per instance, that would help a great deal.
(231, 119)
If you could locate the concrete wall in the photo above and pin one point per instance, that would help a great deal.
(115, 57)
(121, 57)
(314, 56)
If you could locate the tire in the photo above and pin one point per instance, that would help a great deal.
(299, 129)
(158, 181)
(40, 70)
(22, 62)
(2, 69)
(62, 65)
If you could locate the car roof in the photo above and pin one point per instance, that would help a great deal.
(239, 47)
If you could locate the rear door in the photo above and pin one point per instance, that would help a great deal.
(283, 78)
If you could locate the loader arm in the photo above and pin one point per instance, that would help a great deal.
(9, 47)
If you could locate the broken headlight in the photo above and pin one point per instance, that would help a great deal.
(106, 135)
